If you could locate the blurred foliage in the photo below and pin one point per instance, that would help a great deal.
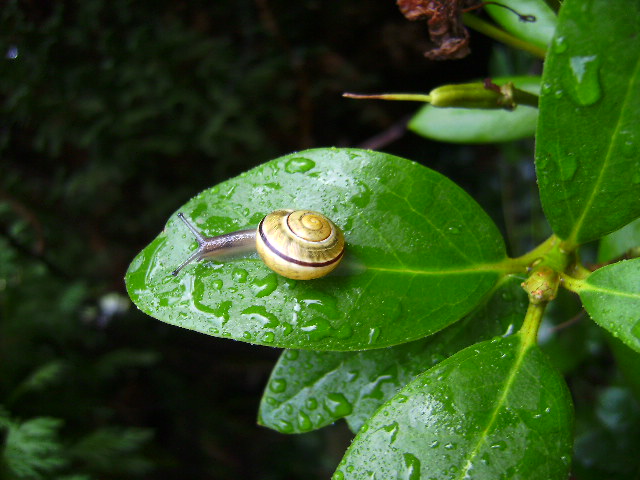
(115, 112)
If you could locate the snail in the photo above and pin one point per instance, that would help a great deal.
(297, 244)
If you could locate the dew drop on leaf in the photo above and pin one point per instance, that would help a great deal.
(568, 167)
(304, 422)
(291, 355)
(337, 405)
(560, 45)
(268, 337)
(584, 83)
(265, 286)
(278, 385)
(299, 165)
(239, 275)
(412, 467)
(311, 403)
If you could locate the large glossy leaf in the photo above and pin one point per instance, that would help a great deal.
(421, 255)
(538, 32)
(611, 296)
(494, 410)
(588, 138)
(467, 125)
(309, 390)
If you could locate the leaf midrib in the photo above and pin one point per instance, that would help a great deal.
(482, 439)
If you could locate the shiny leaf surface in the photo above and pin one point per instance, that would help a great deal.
(309, 390)
(497, 409)
(611, 296)
(420, 255)
(588, 138)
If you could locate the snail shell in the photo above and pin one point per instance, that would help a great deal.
(299, 244)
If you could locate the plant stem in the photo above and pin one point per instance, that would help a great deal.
(497, 34)
(532, 321)
(528, 258)
(571, 283)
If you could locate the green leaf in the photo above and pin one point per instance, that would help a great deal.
(538, 32)
(588, 138)
(467, 125)
(309, 390)
(420, 255)
(611, 296)
(619, 242)
(497, 409)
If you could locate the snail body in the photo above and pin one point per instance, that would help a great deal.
(297, 244)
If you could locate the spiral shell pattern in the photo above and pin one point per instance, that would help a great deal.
(299, 244)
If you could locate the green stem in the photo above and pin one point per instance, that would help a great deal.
(525, 261)
(408, 97)
(497, 34)
(571, 283)
(531, 324)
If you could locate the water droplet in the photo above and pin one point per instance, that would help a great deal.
(374, 333)
(338, 475)
(501, 445)
(299, 165)
(584, 84)
(247, 335)
(392, 430)
(268, 337)
(362, 199)
(434, 444)
(337, 405)
(568, 167)
(311, 403)
(291, 355)
(258, 313)
(412, 466)
(278, 385)
(560, 45)
(265, 286)
(284, 426)
(454, 230)
(239, 275)
(304, 422)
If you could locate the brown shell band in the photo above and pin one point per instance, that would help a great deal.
(293, 260)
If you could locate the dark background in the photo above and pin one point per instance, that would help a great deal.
(114, 113)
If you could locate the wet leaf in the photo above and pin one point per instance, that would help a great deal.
(588, 138)
(611, 296)
(420, 255)
(304, 384)
(497, 409)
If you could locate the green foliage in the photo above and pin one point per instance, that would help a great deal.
(431, 340)
(591, 88)
(382, 296)
(400, 338)
(496, 396)
(468, 125)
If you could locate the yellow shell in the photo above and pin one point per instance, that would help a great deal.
(299, 244)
